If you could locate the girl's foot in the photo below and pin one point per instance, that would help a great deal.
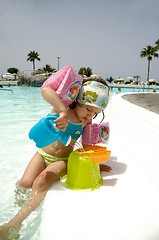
(105, 168)
(7, 232)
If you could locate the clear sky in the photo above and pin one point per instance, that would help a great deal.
(105, 35)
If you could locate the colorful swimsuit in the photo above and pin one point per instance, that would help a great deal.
(49, 158)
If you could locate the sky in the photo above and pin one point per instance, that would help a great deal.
(105, 35)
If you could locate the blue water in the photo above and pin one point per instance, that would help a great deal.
(20, 108)
(128, 89)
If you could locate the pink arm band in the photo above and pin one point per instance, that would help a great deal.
(95, 133)
(66, 83)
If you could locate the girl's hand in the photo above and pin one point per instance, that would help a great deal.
(62, 121)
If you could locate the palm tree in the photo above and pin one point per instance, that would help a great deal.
(148, 52)
(109, 79)
(157, 45)
(32, 56)
(85, 71)
(48, 69)
(137, 77)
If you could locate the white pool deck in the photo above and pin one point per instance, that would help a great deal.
(126, 207)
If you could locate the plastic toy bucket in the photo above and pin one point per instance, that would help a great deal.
(83, 171)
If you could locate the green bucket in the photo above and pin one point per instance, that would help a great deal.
(82, 173)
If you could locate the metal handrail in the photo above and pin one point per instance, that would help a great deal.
(142, 86)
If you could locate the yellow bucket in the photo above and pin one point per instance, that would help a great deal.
(82, 172)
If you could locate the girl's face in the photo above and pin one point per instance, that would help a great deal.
(85, 113)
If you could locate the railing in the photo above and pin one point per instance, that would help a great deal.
(141, 87)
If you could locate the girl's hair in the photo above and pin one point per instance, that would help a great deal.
(73, 105)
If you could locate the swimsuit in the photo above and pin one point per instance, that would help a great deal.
(45, 131)
(49, 158)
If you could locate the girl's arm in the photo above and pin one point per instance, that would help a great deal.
(53, 98)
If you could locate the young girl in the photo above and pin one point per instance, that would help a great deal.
(50, 162)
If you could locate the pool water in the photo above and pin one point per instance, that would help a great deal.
(129, 89)
(20, 108)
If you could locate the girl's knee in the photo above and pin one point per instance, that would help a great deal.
(44, 181)
(40, 182)
(25, 183)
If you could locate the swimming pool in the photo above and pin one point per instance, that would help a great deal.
(19, 111)
(116, 88)
(21, 108)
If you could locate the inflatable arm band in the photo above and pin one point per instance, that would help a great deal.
(45, 132)
(66, 83)
(95, 133)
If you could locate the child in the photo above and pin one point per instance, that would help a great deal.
(50, 162)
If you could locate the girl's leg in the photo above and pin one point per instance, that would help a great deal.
(34, 168)
(39, 189)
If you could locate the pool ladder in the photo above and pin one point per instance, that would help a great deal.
(141, 87)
